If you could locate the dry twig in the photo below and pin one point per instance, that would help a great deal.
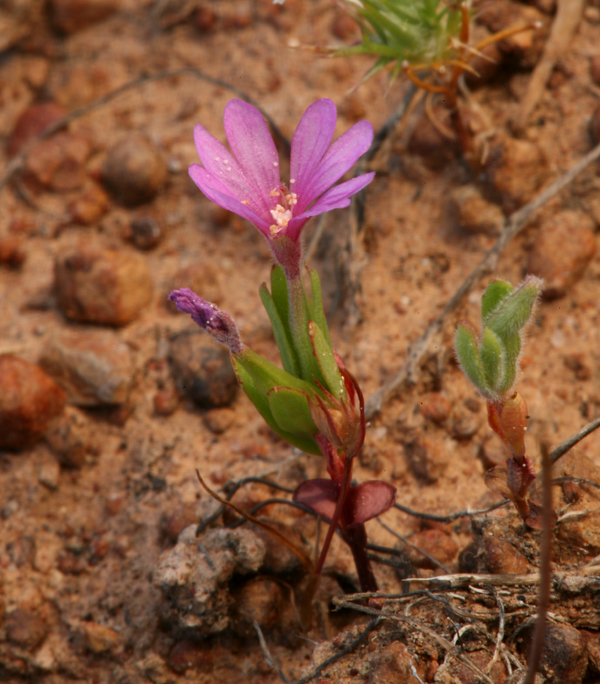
(271, 662)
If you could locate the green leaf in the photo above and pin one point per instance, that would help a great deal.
(326, 360)
(515, 311)
(492, 358)
(286, 352)
(260, 400)
(318, 313)
(512, 350)
(279, 292)
(291, 411)
(467, 352)
(266, 375)
(495, 293)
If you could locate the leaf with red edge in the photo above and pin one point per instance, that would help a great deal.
(320, 495)
(368, 500)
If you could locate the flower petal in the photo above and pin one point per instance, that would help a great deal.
(221, 164)
(337, 198)
(218, 193)
(254, 149)
(337, 160)
(310, 142)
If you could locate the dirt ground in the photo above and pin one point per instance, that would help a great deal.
(92, 508)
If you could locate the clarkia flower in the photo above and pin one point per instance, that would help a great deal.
(248, 181)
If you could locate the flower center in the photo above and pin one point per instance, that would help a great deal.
(282, 214)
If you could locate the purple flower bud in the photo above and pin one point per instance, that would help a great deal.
(217, 323)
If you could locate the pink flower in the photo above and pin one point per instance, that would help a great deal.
(248, 183)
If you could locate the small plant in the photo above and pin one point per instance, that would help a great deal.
(313, 402)
(491, 363)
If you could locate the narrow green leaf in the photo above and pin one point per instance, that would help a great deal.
(495, 293)
(467, 352)
(491, 353)
(512, 350)
(516, 310)
(280, 294)
(286, 352)
(318, 313)
(266, 375)
(326, 360)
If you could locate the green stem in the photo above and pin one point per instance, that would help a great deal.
(300, 335)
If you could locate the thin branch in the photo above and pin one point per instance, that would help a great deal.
(537, 643)
(271, 662)
(452, 516)
(572, 441)
(334, 658)
(17, 162)
(500, 635)
(513, 225)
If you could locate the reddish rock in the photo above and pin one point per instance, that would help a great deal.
(562, 250)
(70, 16)
(182, 517)
(202, 369)
(345, 27)
(435, 406)
(70, 438)
(90, 206)
(465, 423)
(426, 141)
(103, 286)
(12, 250)
(29, 400)
(516, 169)
(391, 665)
(26, 627)
(166, 401)
(134, 171)
(501, 557)
(191, 654)
(93, 367)
(474, 213)
(427, 458)
(33, 121)
(486, 64)
(58, 162)
(146, 232)
(436, 543)
(564, 658)
(465, 675)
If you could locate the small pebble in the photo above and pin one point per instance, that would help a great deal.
(595, 69)
(49, 472)
(427, 142)
(70, 16)
(26, 627)
(202, 370)
(70, 438)
(219, 420)
(100, 638)
(516, 169)
(475, 214)
(146, 232)
(564, 658)
(391, 664)
(428, 459)
(563, 248)
(166, 401)
(33, 121)
(501, 557)
(182, 517)
(58, 162)
(134, 171)
(436, 543)
(191, 654)
(12, 250)
(29, 400)
(435, 406)
(104, 286)
(90, 206)
(258, 601)
(94, 367)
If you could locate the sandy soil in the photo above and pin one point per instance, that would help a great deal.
(81, 538)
